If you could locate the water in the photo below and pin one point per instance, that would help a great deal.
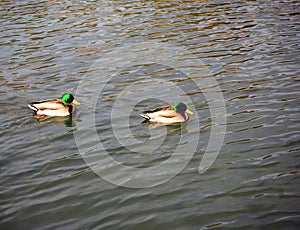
(250, 47)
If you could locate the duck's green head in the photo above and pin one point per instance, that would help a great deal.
(68, 98)
(181, 108)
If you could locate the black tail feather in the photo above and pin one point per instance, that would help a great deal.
(31, 106)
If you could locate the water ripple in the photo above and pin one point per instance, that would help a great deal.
(252, 50)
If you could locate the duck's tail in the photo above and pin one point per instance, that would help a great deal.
(146, 116)
(31, 106)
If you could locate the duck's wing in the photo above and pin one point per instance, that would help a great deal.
(48, 104)
(163, 108)
(162, 114)
(148, 114)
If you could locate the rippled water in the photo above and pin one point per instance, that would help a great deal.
(250, 47)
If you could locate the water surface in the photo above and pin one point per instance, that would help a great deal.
(250, 47)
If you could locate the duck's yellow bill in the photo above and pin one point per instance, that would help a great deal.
(76, 102)
(189, 111)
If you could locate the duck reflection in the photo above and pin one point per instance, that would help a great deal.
(68, 121)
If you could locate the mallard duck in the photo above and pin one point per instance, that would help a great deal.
(55, 107)
(168, 114)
